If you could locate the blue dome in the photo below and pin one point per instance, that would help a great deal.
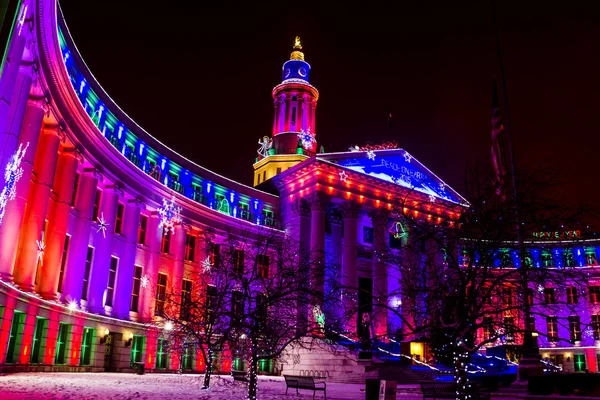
(295, 69)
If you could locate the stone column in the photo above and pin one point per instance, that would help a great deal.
(178, 251)
(102, 252)
(334, 312)
(64, 182)
(124, 283)
(313, 119)
(37, 206)
(275, 113)
(11, 226)
(350, 212)
(379, 220)
(84, 204)
(318, 206)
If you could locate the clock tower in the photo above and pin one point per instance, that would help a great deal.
(293, 137)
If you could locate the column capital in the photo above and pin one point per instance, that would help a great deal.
(350, 209)
(301, 206)
(138, 202)
(95, 172)
(335, 215)
(120, 192)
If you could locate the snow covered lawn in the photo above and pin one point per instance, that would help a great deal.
(113, 386)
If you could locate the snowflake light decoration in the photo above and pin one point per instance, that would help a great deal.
(12, 174)
(265, 145)
(102, 224)
(407, 157)
(144, 281)
(343, 176)
(371, 155)
(206, 264)
(540, 288)
(169, 215)
(307, 139)
(588, 333)
(41, 247)
(72, 305)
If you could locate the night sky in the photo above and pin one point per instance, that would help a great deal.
(198, 76)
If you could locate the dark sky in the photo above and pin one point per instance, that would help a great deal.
(198, 76)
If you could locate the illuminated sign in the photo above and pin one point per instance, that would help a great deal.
(557, 235)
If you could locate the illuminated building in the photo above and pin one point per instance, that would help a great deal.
(89, 200)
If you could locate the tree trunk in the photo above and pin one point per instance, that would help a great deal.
(461, 357)
(209, 368)
(253, 371)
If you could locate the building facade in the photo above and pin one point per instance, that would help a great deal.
(98, 218)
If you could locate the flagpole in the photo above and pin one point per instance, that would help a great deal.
(529, 360)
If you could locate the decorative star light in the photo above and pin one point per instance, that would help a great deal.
(72, 305)
(442, 187)
(41, 247)
(12, 174)
(432, 198)
(307, 139)
(144, 281)
(206, 264)
(168, 326)
(371, 155)
(102, 224)
(588, 333)
(540, 288)
(169, 215)
(343, 176)
(265, 145)
(407, 157)
(354, 148)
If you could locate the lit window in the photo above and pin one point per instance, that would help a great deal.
(161, 293)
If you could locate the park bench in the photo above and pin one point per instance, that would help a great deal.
(304, 382)
(447, 390)
(240, 376)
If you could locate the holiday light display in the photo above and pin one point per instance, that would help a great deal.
(12, 174)
(41, 247)
(102, 224)
(307, 139)
(398, 230)
(145, 281)
(265, 145)
(207, 264)
(169, 215)
(343, 176)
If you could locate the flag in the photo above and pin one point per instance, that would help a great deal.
(497, 142)
(390, 120)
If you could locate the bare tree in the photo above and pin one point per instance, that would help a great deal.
(463, 277)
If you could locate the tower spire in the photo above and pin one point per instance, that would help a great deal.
(297, 54)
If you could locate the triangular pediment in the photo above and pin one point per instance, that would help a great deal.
(396, 166)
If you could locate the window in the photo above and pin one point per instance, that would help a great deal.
(244, 211)
(186, 299)
(530, 325)
(547, 259)
(165, 243)
(237, 305)
(488, 328)
(590, 257)
(214, 254)
(161, 292)
(261, 311)
(552, 327)
(119, 219)
(293, 115)
(575, 328)
(88, 269)
(579, 361)
(135, 292)
(549, 296)
(75, 187)
(367, 234)
(61, 343)
(137, 348)
(112, 276)
(594, 294)
(596, 326)
(258, 179)
(265, 175)
(188, 356)
(263, 266)
(530, 298)
(16, 331)
(509, 329)
(278, 170)
(572, 295)
(142, 229)
(63, 263)
(96, 205)
(568, 258)
(161, 354)
(211, 298)
(507, 296)
(86, 346)
(41, 326)
(238, 261)
(190, 247)
(40, 258)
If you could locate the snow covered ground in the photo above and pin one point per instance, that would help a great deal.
(113, 386)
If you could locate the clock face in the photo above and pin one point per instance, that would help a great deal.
(302, 72)
(287, 72)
